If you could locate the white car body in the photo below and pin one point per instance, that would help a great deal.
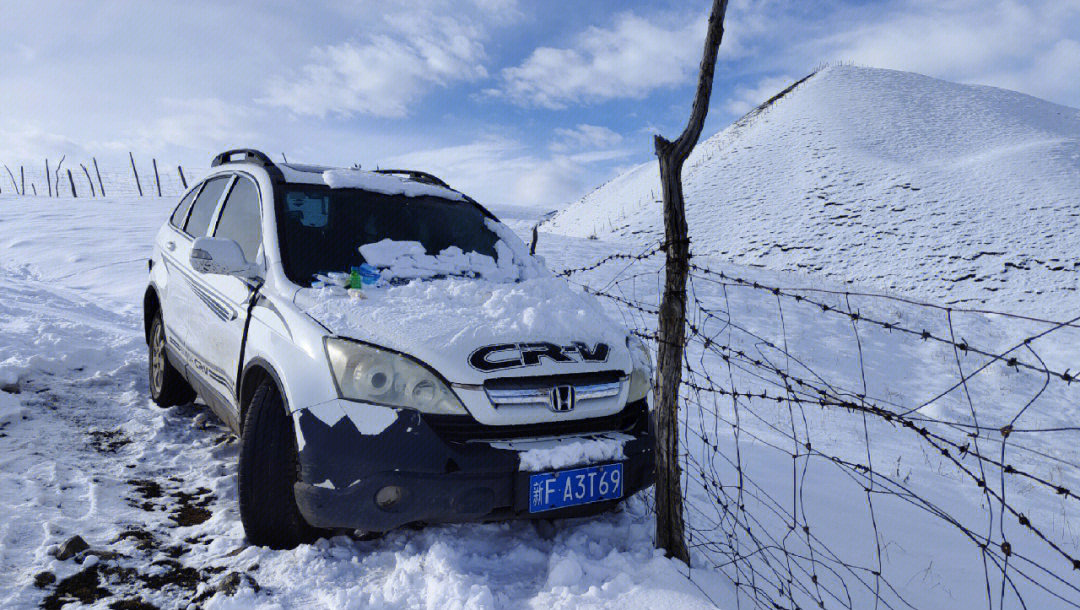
(223, 330)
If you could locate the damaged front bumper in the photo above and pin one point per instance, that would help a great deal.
(362, 469)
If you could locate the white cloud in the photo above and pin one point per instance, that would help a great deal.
(384, 74)
(746, 98)
(28, 143)
(503, 172)
(195, 123)
(629, 60)
(1028, 46)
(585, 136)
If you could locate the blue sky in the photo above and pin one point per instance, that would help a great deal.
(515, 102)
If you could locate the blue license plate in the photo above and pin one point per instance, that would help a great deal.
(551, 490)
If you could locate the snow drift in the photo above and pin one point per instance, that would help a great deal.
(955, 193)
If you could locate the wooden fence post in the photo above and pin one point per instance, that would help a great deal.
(101, 185)
(670, 528)
(14, 185)
(56, 175)
(182, 179)
(34, 186)
(48, 178)
(136, 172)
(72, 182)
(157, 179)
(89, 180)
(22, 181)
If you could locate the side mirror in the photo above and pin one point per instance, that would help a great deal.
(220, 256)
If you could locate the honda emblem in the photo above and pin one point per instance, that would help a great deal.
(561, 398)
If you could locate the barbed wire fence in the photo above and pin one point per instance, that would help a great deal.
(87, 179)
(845, 449)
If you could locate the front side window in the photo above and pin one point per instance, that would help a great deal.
(240, 220)
(205, 204)
(321, 229)
(178, 215)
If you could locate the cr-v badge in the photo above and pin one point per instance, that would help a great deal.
(514, 355)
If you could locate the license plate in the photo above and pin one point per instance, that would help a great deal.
(551, 490)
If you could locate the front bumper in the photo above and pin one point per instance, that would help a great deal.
(442, 478)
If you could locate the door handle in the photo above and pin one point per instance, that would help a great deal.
(171, 245)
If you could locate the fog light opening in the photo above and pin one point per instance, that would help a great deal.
(389, 497)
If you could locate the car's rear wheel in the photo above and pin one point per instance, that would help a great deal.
(268, 470)
(167, 386)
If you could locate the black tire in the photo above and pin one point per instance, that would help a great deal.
(167, 386)
(268, 469)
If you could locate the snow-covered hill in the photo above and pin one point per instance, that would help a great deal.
(909, 184)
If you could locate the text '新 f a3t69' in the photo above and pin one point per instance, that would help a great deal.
(389, 353)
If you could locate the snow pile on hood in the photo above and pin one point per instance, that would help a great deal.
(387, 184)
(445, 318)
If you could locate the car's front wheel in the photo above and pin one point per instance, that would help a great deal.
(268, 470)
(167, 386)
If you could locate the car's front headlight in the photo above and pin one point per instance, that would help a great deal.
(641, 377)
(378, 376)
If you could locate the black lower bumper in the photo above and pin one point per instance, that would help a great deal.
(343, 472)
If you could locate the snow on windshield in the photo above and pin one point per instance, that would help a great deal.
(402, 261)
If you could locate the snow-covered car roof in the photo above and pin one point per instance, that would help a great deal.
(380, 182)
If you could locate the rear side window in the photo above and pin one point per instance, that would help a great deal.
(204, 207)
(240, 220)
(178, 215)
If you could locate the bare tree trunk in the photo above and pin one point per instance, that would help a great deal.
(182, 179)
(101, 185)
(670, 530)
(48, 177)
(22, 181)
(136, 172)
(157, 179)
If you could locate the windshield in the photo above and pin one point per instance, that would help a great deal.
(322, 229)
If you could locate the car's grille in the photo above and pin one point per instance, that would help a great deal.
(456, 428)
(546, 381)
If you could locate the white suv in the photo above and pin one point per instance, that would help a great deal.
(389, 353)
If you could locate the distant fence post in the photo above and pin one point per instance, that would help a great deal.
(14, 185)
(136, 172)
(89, 180)
(56, 175)
(182, 179)
(101, 185)
(157, 179)
(48, 177)
(671, 337)
(72, 182)
(22, 181)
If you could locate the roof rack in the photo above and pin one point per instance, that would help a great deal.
(415, 175)
(250, 156)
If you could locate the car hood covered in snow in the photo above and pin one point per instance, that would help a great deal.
(470, 330)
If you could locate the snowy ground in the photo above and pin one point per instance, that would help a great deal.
(83, 451)
(891, 180)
